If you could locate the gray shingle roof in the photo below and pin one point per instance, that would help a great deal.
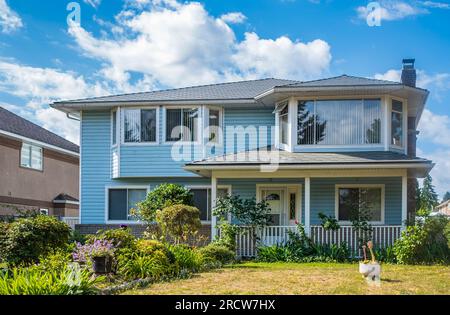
(343, 80)
(307, 158)
(13, 123)
(222, 91)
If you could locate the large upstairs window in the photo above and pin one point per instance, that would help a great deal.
(339, 122)
(140, 125)
(182, 124)
(397, 123)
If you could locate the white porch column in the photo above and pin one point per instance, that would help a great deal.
(213, 205)
(404, 200)
(307, 205)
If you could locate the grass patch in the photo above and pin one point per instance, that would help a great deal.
(307, 278)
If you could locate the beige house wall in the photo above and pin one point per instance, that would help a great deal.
(33, 188)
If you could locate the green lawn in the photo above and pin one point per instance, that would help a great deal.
(307, 278)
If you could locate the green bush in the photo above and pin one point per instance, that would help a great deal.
(424, 243)
(138, 265)
(71, 280)
(162, 196)
(273, 253)
(300, 248)
(25, 240)
(187, 258)
(227, 236)
(120, 238)
(216, 254)
(178, 222)
(56, 261)
(386, 255)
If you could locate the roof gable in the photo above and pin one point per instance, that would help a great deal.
(17, 125)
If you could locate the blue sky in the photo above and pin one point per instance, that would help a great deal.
(127, 46)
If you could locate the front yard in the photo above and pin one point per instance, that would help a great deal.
(307, 278)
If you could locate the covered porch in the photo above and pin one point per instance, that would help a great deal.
(298, 192)
(299, 196)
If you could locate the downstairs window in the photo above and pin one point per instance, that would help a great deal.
(354, 200)
(121, 201)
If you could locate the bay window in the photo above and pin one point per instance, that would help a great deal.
(353, 201)
(397, 123)
(182, 124)
(122, 200)
(214, 125)
(140, 125)
(31, 156)
(339, 122)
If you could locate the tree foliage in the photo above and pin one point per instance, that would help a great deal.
(163, 196)
(428, 196)
(178, 222)
(446, 196)
(246, 211)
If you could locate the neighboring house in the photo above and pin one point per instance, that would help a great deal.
(443, 208)
(39, 170)
(332, 142)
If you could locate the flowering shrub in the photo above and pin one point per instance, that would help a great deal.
(99, 248)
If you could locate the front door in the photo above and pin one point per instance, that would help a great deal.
(275, 197)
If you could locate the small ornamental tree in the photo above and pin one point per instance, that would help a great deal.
(247, 212)
(179, 222)
(163, 196)
(428, 196)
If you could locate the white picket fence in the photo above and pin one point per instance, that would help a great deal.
(70, 221)
(246, 243)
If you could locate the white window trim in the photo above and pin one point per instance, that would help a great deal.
(285, 187)
(404, 124)
(220, 143)
(336, 201)
(199, 124)
(107, 188)
(41, 169)
(299, 147)
(227, 187)
(279, 106)
(122, 127)
(113, 145)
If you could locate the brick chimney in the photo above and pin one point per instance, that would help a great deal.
(409, 72)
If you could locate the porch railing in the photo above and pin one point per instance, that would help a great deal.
(382, 236)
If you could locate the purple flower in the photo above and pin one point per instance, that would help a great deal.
(123, 226)
(99, 248)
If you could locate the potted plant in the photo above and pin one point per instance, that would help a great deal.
(100, 253)
(101, 256)
(370, 269)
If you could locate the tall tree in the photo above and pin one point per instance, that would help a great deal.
(446, 196)
(428, 196)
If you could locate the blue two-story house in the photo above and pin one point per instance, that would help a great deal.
(305, 147)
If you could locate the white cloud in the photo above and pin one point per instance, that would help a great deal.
(179, 44)
(281, 57)
(441, 171)
(437, 81)
(435, 128)
(41, 86)
(436, 5)
(391, 10)
(9, 20)
(233, 18)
